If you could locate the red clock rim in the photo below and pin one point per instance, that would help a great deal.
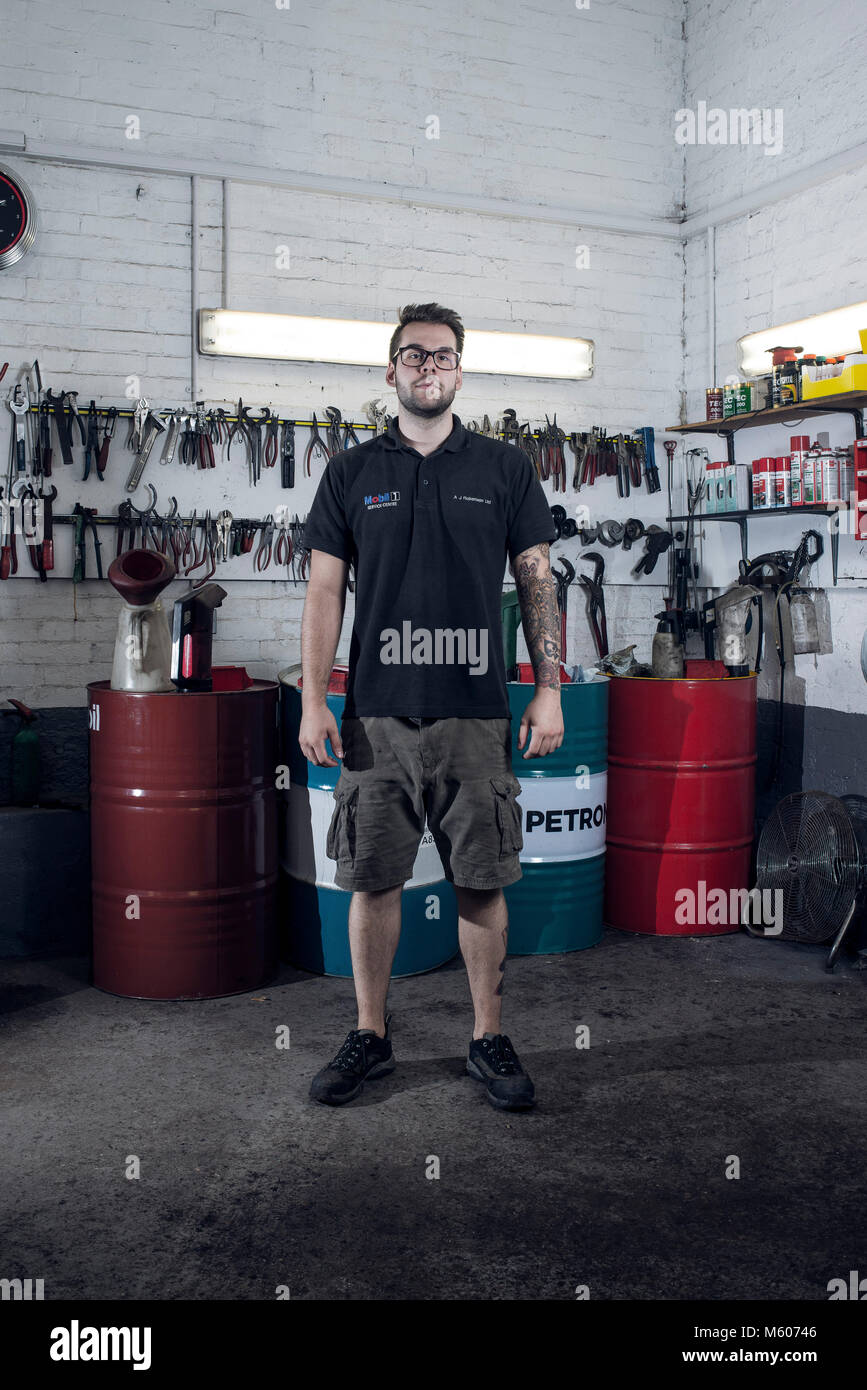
(24, 218)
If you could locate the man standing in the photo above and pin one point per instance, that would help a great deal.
(427, 513)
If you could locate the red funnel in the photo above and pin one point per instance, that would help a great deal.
(139, 575)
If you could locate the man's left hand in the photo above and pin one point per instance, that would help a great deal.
(545, 717)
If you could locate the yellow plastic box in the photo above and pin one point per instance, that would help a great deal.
(850, 379)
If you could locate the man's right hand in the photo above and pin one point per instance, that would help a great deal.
(318, 724)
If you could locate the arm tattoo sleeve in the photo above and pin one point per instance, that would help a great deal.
(537, 595)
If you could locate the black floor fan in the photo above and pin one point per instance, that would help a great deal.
(813, 848)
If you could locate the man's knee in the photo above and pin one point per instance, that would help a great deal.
(379, 893)
(478, 896)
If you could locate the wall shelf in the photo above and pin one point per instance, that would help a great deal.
(743, 519)
(846, 402)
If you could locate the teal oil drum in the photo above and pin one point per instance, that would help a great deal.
(557, 905)
(313, 911)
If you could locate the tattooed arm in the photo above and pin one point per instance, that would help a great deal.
(537, 596)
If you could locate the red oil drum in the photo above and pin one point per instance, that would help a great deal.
(681, 797)
(183, 840)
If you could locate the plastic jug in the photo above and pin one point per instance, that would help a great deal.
(143, 646)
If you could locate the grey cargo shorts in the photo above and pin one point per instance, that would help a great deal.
(396, 772)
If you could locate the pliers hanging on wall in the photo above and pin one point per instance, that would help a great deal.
(91, 443)
(107, 436)
(147, 520)
(84, 521)
(596, 602)
(315, 442)
(283, 539)
(190, 555)
(633, 456)
(30, 527)
(216, 423)
(263, 554)
(272, 439)
(554, 439)
(188, 549)
(241, 427)
(349, 435)
(564, 577)
(47, 499)
(44, 450)
(287, 455)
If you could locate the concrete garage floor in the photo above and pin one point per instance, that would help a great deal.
(700, 1049)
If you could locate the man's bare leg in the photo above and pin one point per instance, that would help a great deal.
(374, 931)
(483, 929)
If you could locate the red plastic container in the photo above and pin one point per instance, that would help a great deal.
(701, 669)
(230, 678)
(337, 681)
(681, 796)
(527, 676)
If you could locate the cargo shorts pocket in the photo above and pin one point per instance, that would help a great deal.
(340, 841)
(508, 815)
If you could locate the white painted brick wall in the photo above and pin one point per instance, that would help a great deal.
(804, 58)
(544, 95)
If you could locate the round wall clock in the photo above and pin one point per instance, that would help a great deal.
(17, 218)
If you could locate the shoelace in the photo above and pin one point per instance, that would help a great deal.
(501, 1054)
(350, 1052)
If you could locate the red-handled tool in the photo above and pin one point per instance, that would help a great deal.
(47, 532)
(107, 436)
(564, 577)
(30, 527)
(6, 524)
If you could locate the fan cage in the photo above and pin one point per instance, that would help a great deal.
(813, 854)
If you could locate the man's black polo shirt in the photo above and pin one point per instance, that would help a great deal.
(429, 538)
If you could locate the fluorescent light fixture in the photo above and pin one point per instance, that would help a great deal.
(292, 338)
(528, 354)
(828, 334)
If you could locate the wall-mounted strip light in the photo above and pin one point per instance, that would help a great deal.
(291, 338)
(828, 334)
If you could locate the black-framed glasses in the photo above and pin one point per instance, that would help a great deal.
(415, 356)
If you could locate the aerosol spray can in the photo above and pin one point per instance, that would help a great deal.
(761, 484)
(782, 495)
(800, 443)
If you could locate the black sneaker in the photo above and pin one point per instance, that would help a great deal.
(364, 1054)
(493, 1059)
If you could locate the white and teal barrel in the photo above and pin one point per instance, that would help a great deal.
(557, 904)
(315, 913)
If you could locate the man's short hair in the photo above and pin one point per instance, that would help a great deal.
(426, 313)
